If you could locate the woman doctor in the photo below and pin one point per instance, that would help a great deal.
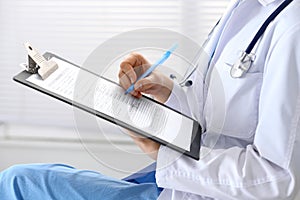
(257, 155)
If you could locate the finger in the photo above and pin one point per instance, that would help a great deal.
(144, 84)
(138, 94)
(134, 135)
(127, 69)
(124, 80)
(137, 59)
(132, 64)
(125, 83)
(135, 62)
(150, 91)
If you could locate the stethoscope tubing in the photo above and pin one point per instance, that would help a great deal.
(186, 83)
(264, 26)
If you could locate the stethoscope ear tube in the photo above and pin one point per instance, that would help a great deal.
(263, 28)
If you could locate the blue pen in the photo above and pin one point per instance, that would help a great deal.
(164, 57)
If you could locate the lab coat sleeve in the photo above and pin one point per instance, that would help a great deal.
(264, 169)
(178, 100)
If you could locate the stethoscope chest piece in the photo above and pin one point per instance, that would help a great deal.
(242, 65)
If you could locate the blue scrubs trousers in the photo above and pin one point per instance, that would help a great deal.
(62, 182)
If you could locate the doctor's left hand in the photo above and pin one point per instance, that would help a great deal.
(146, 145)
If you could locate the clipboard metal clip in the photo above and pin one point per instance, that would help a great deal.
(37, 64)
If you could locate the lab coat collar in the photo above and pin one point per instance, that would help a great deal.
(266, 2)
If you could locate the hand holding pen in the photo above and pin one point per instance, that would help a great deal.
(137, 76)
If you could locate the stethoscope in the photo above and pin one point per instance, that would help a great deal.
(243, 64)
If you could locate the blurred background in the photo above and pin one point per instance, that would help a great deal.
(35, 128)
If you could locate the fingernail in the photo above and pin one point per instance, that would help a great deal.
(131, 79)
(137, 86)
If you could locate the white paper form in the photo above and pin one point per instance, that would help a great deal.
(108, 98)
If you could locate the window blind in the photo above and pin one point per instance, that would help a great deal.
(74, 28)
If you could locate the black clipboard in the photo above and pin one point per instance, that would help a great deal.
(196, 130)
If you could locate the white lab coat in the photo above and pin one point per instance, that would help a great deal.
(257, 155)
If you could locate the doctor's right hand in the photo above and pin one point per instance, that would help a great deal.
(156, 84)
